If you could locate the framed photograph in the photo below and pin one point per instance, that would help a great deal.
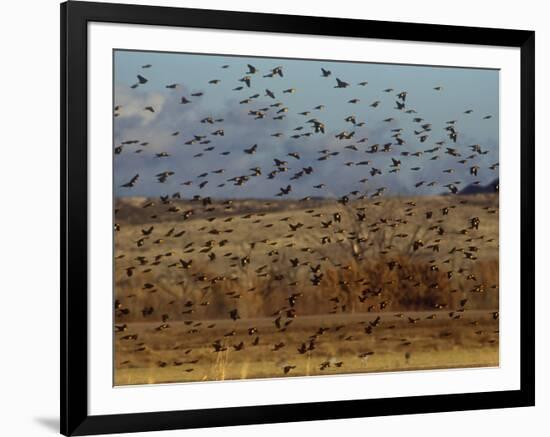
(274, 218)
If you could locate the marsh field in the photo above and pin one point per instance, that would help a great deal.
(218, 290)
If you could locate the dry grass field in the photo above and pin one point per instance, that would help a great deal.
(253, 289)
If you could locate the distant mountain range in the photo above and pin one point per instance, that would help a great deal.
(478, 189)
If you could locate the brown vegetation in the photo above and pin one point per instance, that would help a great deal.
(369, 267)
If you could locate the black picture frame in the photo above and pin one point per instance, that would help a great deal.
(75, 419)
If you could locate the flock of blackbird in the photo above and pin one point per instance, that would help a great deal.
(266, 95)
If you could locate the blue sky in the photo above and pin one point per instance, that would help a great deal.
(462, 89)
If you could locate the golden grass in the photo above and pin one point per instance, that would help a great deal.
(397, 345)
(369, 268)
